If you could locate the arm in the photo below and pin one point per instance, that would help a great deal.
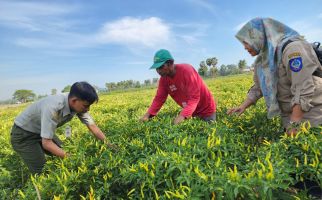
(300, 65)
(49, 118)
(96, 131)
(253, 95)
(297, 113)
(295, 119)
(50, 146)
(158, 101)
(86, 119)
(241, 109)
(146, 117)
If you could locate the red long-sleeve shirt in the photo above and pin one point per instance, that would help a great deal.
(188, 90)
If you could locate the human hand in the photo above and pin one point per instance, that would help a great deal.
(178, 119)
(291, 132)
(239, 110)
(111, 146)
(145, 117)
(293, 128)
(66, 155)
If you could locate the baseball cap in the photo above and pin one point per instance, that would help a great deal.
(160, 58)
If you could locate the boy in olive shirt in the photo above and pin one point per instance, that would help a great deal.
(33, 132)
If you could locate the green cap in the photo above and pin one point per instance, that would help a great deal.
(160, 58)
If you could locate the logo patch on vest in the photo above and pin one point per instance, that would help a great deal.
(172, 88)
(296, 64)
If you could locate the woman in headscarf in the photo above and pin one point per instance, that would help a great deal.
(284, 69)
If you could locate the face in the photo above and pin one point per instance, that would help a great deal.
(78, 105)
(250, 50)
(165, 70)
(162, 71)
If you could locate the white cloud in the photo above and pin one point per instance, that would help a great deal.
(149, 32)
(128, 31)
(46, 26)
(320, 16)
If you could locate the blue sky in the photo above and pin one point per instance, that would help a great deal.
(50, 44)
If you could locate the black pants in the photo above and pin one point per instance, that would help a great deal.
(28, 145)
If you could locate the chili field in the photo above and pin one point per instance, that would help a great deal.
(237, 157)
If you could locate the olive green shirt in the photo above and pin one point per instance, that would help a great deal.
(296, 86)
(46, 115)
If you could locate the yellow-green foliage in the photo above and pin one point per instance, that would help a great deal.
(246, 157)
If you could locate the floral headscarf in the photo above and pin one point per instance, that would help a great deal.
(267, 36)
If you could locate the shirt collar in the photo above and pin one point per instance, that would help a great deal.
(66, 109)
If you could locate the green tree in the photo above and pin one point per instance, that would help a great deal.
(232, 69)
(241, 65)
(212, 62)
(223, 71)
(110, 86)
(66, 89)
(24, 95)
(137, 84)
(203, 69)
(53, 91)
(41, 96)
(155, 80)
(129, 84)
(213, 71)
(121, 85)
(228, 70)
(147, 82)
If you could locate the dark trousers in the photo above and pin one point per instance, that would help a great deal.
(28, 145)
(210, 118)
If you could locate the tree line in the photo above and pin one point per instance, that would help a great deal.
(207, 68)
(127, 84)
(24, 95)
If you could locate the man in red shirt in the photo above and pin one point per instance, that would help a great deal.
(185, 86)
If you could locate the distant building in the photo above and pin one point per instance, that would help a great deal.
(248, 69)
